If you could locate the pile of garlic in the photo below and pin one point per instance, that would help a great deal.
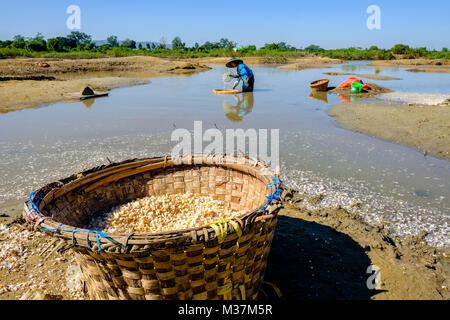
(14, 247)
(164, 213)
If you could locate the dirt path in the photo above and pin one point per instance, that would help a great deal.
(424, 128)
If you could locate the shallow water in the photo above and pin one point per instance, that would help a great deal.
(396, 184)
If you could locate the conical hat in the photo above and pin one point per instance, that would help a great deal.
(87, 92)
(232, 61)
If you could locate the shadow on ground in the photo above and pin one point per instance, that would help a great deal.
(310, 261)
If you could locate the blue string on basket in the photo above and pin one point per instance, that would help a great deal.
(98, 234)
(34, 206)
(275, 195)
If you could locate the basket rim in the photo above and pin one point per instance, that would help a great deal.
(226, 91)
(100, 240)
(319, 82)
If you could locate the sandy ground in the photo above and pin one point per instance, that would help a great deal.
(346, 92)
(416, 65)
(69, 76)
(367, 76)
(424, 128)
(325, 254)
(287, 63)
(17, 95)
(417, 98)
(145, 66)
(311, 63)
(320, 254)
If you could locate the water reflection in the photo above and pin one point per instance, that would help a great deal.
(350, 67)
(243, 107)
(321, 96)
(88, 103)
(351, 98)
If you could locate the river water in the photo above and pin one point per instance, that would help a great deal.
(393, 184)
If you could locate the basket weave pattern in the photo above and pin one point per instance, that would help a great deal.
(183, 264)
(320, 85)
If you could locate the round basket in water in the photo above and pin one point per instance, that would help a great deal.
(225, 260)
(319, 85)
(226, 91)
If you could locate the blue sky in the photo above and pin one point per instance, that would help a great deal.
(330, 24)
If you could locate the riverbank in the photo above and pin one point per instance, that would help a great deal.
(24, 84)
(367, 76)
(316, 254)
(424, 128)
(311, 63)
(416, 65)
(288, 63)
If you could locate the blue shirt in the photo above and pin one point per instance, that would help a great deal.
(244, 71)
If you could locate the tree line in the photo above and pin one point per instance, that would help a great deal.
(82, 43)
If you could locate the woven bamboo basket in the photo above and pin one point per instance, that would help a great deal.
(198, 263)
(319, 85)
(226, 91)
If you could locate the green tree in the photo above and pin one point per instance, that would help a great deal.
(61, 44)
(79, 37)
(313, 48)
(112, 41)
(52, 44)
(89, 47)
(128, 43)
(162, 43)
(148, 46)
(104, 48)
(18, 44)
(400, 49)
(37, 45)
(177, 44)
(226, 44)
(421, 52)
(211, 45)
(38, 36)
(6, 43)
(280, 46)
(18, 38)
